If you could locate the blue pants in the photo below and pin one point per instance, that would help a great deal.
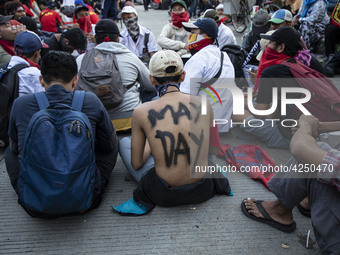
(109, 9)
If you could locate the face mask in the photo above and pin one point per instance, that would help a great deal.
(198, 42)
(178, 18)
(85, 24)
(132, 27)
(162, 89)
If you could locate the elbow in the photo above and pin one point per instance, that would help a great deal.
(136, 165)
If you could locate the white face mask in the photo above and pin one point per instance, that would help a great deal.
(132, 27)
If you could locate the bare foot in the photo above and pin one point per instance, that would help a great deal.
(305, 204)
(275, 209)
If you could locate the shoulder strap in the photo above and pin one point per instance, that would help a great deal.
(19, 67)
(77, 100)
(41, 100)
(218, 74)
(146, 40)
(42, 15)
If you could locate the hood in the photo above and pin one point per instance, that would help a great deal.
(114, 47)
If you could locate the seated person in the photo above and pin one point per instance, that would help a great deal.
(59, 78)
(321, 187)
(135, 37)
(15, 8)
(281, 18)
(312, 20)
(7, 36)
(225, 35)
(174, 131)
(81, 17)
(173, 36)
(133, 73)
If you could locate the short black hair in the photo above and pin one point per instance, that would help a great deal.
(164, 80)
(58, 66)
(101, 37)
(289, 52)
(76, 37)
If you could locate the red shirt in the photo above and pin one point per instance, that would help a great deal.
(49, 20)
(94, 17)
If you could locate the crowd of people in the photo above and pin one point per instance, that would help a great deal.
(59, 50)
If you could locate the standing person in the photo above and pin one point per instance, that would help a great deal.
(50, 20)
(132, 72)
(207, 65)
(167, 178)
(59, 78)
(110, 10)
(135, 37)
(173, 36)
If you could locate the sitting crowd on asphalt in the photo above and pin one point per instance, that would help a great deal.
(73, 80)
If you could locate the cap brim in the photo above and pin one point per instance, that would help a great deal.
(276, 21)
(268, 37)
(6, 19)
(188, 26)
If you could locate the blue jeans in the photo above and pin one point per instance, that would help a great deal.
(193, 8)
(269, 133)
(109, 9)
(125, 154)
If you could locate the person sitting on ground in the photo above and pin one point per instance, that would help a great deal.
(93, 16)
(260, 25)
(220, 11)
(7, 36)
(50, 19)
(173, 36)
(321, 187)
(312, 20)
(225, 35)
(27, 47)
(68, 41)
(15, 8)
(167, 177)
(59, 78)
(281, 18)
(284, 45)
(82, 17)
(206, 66)
(135, 37)
(132, 71)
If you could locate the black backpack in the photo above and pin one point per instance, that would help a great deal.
(237, 56)
(9, 91)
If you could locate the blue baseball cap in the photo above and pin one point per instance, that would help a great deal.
(77, 2)
(280, 16)
(28, 42)
(207, 25)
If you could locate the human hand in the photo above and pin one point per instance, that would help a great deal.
(309, 124)
(19, 28)
(252, 76)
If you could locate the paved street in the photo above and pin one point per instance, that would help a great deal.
(214, 227)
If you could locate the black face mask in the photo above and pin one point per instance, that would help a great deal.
(63, 45)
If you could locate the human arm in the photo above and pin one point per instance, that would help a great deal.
(164, 40)
(152, 44)
(140, 148)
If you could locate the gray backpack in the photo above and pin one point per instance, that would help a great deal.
(99, 74)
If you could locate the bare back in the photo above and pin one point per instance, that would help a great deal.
(177, 133)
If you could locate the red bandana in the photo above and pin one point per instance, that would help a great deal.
(269, 57)
(177, 19)
(31, 62)
(8, 46)
(198, 42)
(85, 24)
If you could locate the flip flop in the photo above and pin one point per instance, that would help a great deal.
(303, 211)
(267, 219)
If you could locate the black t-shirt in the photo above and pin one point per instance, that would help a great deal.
(279, 76)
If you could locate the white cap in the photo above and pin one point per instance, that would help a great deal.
(127, 9)
(163, 59)
(220, 6)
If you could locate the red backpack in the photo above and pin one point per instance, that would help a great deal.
(325, 97)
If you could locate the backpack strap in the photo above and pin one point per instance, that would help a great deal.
(78, 99)
(146, 41)
(42, 100)
(218, 74)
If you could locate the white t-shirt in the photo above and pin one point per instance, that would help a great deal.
(203, 66)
